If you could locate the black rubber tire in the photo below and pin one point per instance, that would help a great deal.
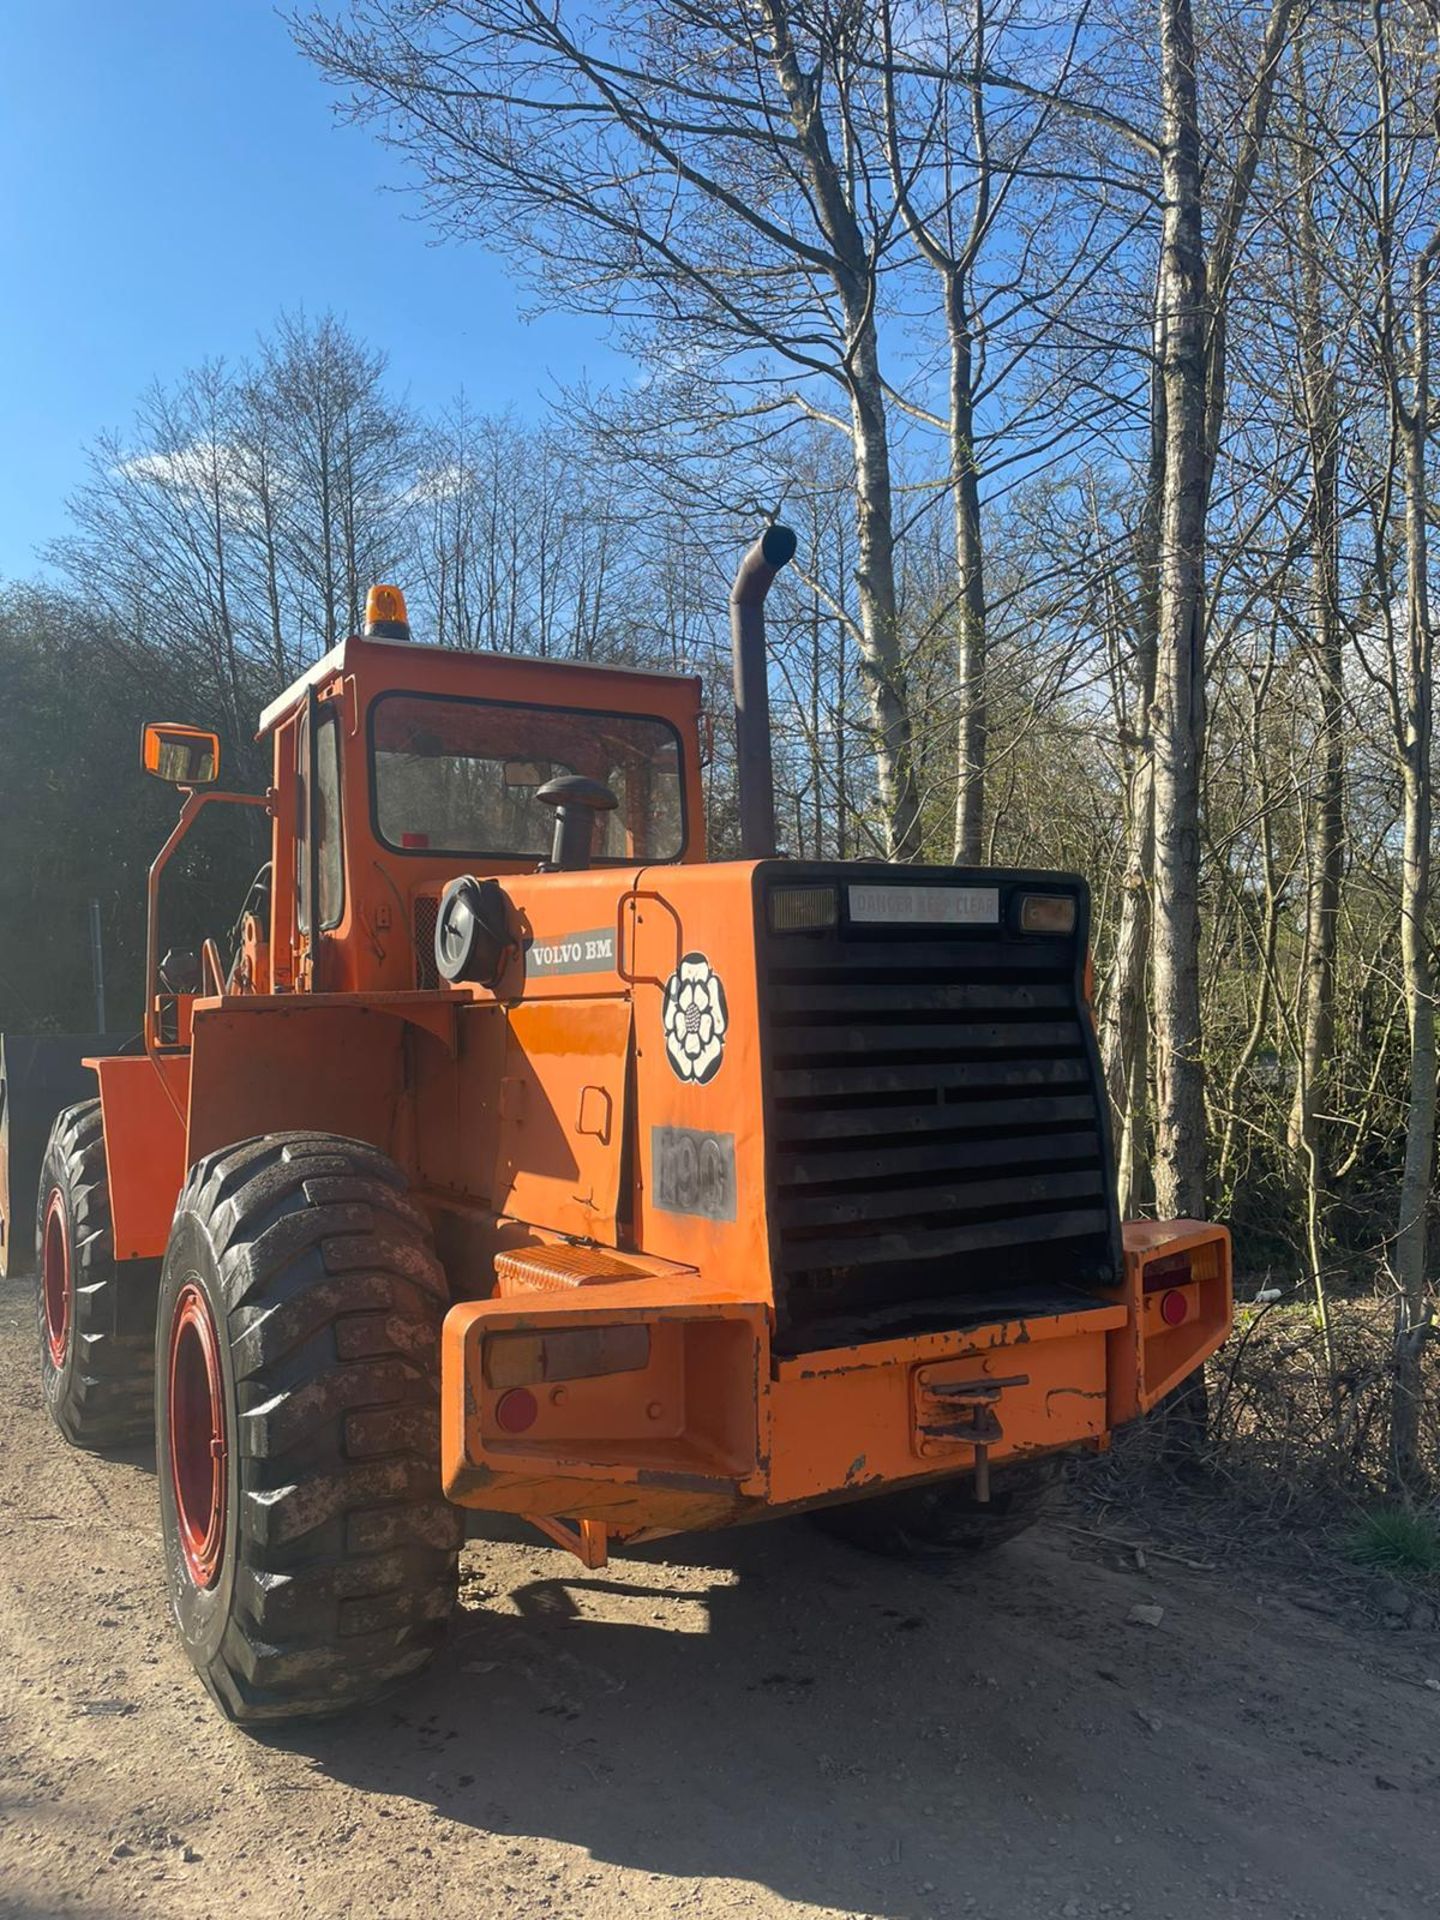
(100, 1393)
(338, 1572)
(943, 1520)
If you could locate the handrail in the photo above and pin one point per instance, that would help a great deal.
(189, 811)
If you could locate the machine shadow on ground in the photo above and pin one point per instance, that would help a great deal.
(764, 1706)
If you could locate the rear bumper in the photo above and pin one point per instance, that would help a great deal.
(703, 1426)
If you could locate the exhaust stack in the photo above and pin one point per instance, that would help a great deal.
(774, 548)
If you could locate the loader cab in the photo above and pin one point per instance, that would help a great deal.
(398, 768)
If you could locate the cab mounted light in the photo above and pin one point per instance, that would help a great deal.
(803, 909)
(1047, 913)
(385, 615)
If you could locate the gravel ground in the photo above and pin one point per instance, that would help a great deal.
(761, 1723)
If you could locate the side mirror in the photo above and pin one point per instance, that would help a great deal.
(185, 756)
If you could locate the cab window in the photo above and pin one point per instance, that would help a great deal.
(329, 838)
(329, 835)
(460, 776)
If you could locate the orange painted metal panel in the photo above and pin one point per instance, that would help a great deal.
(839, 1428)
(1147, 1357)
(455, 1103)
(562, 1116)
(677, 1442)
(141, 1103)
(823, 1424)
(267, 1066)
(700, 1148)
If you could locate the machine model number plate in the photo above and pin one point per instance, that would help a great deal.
(925, 906)
(590, 952)
(694, 1172)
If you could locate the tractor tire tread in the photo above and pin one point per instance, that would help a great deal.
(347, 1551)
(106, 1399)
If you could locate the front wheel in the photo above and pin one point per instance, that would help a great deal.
(943, 1520)
(310, 1554)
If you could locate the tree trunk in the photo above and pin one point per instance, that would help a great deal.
(1325, 823)
(854, 279)
(1180, 689)
(880, 663)
(1126, 1039)
(1126, 1035)
(1416, 1307)
(973, 726)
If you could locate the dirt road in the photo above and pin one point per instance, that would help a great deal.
(766, 1724)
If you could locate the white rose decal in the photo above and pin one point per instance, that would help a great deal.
(695, 1020)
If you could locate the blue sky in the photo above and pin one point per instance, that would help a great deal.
(171, 177)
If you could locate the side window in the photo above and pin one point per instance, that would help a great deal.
(329, 834)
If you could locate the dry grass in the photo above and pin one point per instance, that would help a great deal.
(1280, 1418)
(1295, 1469)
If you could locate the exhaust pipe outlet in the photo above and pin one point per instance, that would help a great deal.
(773, 550)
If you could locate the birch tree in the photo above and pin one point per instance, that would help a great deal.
(1192, 296)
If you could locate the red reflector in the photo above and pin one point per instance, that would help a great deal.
(516, 1410)
(1174, 1308)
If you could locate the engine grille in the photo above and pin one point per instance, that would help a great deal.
(424, 914)
(938, 1143)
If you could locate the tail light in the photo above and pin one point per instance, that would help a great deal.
(523, 1359)
(1173, 1271)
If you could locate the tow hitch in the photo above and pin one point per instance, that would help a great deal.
(952, 1413)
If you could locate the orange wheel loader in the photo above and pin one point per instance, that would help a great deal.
(519, 1158)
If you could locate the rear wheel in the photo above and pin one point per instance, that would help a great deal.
(310, 1555)
(96, 1314)
(944, 1520)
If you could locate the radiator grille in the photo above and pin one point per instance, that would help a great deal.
(425, 913)
(938, 1147)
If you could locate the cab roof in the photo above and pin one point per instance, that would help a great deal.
(404, 666)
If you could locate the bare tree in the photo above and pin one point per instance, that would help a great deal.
(1192, 297)
(1325, 835)
(344, 448)
(1408, 266)
(957, 167)
(689, 171)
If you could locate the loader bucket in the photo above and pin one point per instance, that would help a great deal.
(39, 1074)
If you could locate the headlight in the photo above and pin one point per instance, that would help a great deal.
(1047, 913)
(803, 909)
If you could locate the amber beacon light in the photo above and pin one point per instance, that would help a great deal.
(385, 615)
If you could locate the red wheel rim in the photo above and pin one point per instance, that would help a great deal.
(55, 1278)
(197, 1435)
